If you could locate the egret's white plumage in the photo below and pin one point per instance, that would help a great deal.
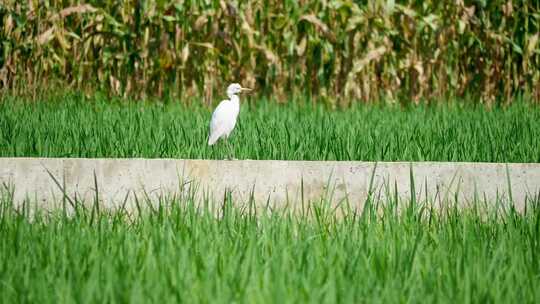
(225, 115)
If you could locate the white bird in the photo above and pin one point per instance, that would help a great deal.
(225, 115)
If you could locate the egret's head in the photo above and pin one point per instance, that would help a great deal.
(236, 88)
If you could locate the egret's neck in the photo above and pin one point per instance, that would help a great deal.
(234, 98)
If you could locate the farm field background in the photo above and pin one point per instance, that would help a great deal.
(71, 125)
(369, 80)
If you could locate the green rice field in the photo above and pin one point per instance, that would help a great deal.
(182, 252)
(178, 253)
(74, 126)
(343, 80)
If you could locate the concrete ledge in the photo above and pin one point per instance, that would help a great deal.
(274, 182)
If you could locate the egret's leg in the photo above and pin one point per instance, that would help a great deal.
(230, 148)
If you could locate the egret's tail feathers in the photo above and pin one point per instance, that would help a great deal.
(212, 140)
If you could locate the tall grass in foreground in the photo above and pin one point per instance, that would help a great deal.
(181, 253)
(73, 126)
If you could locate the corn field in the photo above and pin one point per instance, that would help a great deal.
(337, 51)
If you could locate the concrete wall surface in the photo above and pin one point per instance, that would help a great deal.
(273, 182)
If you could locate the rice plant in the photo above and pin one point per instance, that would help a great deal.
(71, 125)
(180, 253)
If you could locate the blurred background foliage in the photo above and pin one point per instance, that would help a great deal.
(336, 51)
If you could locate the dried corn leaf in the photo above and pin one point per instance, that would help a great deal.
(268, 54)
(185, 53)
(46, 36)
(320, 25)
(62, 40)
(407, 11)
(374, 54)
(79, 9)
(301, 47)
(8, 25)
(200, 22)
(207, 45)
(355, 22)
(531, 43)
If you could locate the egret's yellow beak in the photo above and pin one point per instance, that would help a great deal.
(246, 89)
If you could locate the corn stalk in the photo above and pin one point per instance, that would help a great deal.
(338, 51)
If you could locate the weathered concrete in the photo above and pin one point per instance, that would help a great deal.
(276, 182)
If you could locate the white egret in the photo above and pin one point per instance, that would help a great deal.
(225, 115)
